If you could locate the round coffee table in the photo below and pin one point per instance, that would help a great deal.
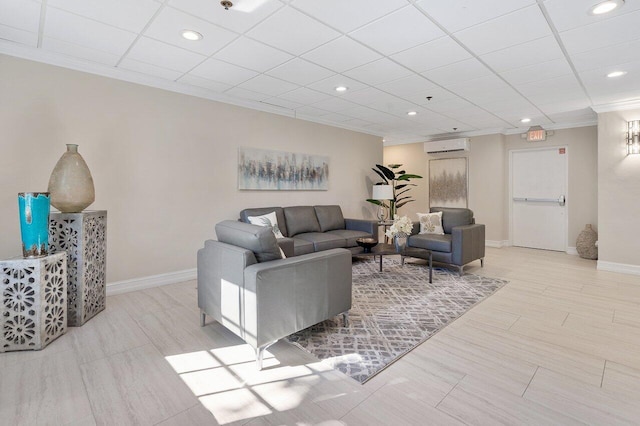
(390, 249)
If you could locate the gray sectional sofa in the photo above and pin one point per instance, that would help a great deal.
(309, 229)
(463, 240)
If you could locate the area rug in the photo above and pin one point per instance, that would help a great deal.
(392, 312)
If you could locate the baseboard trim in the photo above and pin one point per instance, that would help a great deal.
(496, 243)
(572, 251)
(150, 281)
(623, 268)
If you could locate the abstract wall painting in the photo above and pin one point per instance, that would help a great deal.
(261, 169)
(448, 182)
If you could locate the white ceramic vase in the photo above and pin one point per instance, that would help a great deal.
(71, 184)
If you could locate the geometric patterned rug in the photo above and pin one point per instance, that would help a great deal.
(392, 312)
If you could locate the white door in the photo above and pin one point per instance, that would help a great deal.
(538, 203)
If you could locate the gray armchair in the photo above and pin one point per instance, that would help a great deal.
(244, 285)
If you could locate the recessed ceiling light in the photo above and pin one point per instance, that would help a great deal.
(342, 89)
(191, 35)
(525, 120)
(605, 7)
(616, 74)
(412, 113)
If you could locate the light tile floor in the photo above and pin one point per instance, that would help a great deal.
(559, 344)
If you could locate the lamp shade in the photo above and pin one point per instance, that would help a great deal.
(382, 192)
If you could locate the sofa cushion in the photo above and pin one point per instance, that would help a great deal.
(301, 219)
(432, 242)
(349, 236)
(282, 224)
(270, 220)
(452, 217)
(259, 239)
(430, 223)
(301, 246)
(323, 241)
(329, 217)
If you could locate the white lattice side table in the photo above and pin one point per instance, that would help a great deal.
(34, 301)
(84, 237)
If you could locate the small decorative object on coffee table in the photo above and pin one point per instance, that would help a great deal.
(367, 244)
(402, 226)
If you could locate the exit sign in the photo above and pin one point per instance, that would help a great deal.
(536, 135)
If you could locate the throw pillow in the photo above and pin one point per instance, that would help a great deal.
(268, 219)
(431, 223)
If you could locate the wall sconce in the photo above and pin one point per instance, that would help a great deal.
(633, 137)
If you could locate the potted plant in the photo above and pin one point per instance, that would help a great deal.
(399, 180)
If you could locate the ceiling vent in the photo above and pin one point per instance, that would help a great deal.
(449, 145)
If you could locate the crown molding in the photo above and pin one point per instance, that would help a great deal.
(617, 106)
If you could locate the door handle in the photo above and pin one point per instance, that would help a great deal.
(562, 200)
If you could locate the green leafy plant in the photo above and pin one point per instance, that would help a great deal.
(400, 183)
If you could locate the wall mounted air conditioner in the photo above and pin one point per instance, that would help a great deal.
(449, 145)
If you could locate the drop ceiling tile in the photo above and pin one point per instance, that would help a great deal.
(568, 14)
(434, 54)
(147, 69)
(357, 123)
(240, 93)
(554, 89)
(515, 28)
(377, 72)
(269, 85)
(346, 16)
(215, 70)
(449, 105)
(540, 71)
(366, 113)
(168, 26)
(397, 106)
(328, 85)
(342, 54)
(311, 111)
(598, 84)
(407, 85)
(576, 116)
(337, 118)
(610, 56)
(204, 83)
(18, 36)
(365, 96)
(72, 28)
(241, 17)
(436, 93)
(398, 31)
(300, 72)
(564, 105)
(602, 34)
(459, 72)
(532, 52)
(485, 89)
(20, 14)
(334, 104)
(292, 31)
(282, 103)
(304, 96)
(164, 55)
(76, 51)
(130, 15)
(251, 54)
(519, 104)
(455, 15)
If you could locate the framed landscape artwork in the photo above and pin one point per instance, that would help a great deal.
(263, 169)
(448, 182)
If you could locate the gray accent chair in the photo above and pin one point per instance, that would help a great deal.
(463, 240)
(261, 297)
(310, 229)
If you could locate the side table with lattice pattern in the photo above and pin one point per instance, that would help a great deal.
(84, 237)
(34, 302)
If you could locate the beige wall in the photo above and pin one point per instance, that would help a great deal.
(489, 177)
(486, 167)
(619, 193)
(164, 164)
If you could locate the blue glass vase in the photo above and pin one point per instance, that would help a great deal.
(34, 223)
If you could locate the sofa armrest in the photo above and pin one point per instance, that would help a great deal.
(303, 290)
(468, 243)
(364, 225)
(286, 244)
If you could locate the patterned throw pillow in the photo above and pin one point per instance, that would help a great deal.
(268, 219)
(431, 223)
